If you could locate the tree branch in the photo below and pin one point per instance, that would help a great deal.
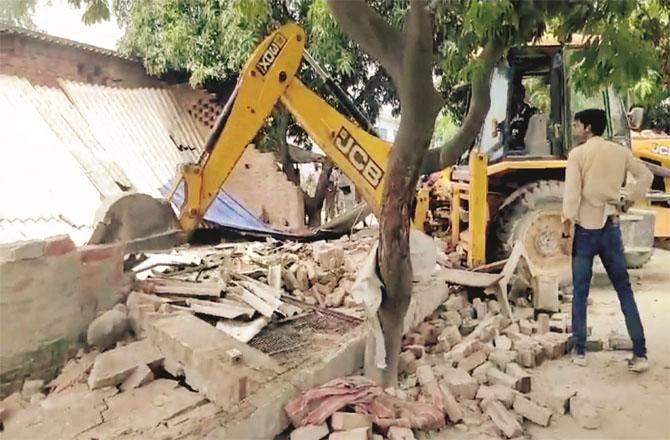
(480, 102)
(375, 36)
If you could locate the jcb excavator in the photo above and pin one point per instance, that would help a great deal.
(505, 189)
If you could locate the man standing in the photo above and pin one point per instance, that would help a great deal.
(594, 177)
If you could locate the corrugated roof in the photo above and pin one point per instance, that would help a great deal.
(39, 179)
(142, 130)
(6, 28)
(63, 149)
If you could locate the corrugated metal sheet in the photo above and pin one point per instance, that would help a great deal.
(141, 130)
(63, 149)
(40, 181)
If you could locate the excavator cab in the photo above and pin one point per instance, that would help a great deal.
(509, 186)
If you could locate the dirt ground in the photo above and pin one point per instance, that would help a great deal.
(632, 406)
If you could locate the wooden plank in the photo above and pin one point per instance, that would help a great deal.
(491, 267)
(469, 278)
(181, 287)
(257, 303)
(229, 309)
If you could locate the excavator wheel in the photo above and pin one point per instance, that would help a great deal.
(139, 220)
(532, 214)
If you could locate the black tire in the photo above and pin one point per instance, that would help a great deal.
(515, 217)
(525, 200)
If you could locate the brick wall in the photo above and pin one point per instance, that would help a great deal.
(262, 188)
(42, 62)
(49, 293)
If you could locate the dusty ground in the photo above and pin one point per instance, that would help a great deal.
(632, 406)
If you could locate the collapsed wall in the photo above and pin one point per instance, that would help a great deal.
(50, 291)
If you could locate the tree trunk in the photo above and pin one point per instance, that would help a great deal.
(314, 205)
(480, 102)
(281, 131)
(407, 57)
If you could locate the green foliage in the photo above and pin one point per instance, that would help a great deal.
(445, 128)
(18, 12)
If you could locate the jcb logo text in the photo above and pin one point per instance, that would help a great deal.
(661, 149)
(359, 158)
(270, 54)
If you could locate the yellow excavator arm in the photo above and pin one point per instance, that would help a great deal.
(269, 77)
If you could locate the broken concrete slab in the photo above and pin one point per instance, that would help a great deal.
(594, 344)
(473, 361)
(329, 257)
(451, 334)
(532, 411)
(502, 418)
(400, 433)
(424, 374)
(10, 405)
(584, 412)
(73, 373)
(501, 358)
(525, 327)
(202, 351)
(453, 318)
(455, 303)
(63, 415)
(542, 323)
(344, 421)
(545, 293)
(142, 375)
(352, 434)
(113, 367)
(481, 308)
(407, 362)
(502, 342)
(618, 341)
(480, 373)
(451, 407)
(141, 409)
(460, 383)
(496, 377)
(524, 313)
(31, 387)
(504, 394)
(310, 432)
(523, 378)
(556, 399)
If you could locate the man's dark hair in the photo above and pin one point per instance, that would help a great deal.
(594, 117)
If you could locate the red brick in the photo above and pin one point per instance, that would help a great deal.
(58, 245)
(100, 252)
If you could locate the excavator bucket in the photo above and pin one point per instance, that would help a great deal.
(140, 221)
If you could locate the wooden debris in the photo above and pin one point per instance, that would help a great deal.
(243, 331)
(223, 308)
(181, 287)
(470, 278)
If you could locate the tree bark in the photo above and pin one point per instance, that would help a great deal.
(408, 58)
(280, 132)
(314, 205)
(480, 102)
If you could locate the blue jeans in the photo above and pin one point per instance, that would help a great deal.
(607, 243)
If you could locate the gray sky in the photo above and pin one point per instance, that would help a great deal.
(57, 18)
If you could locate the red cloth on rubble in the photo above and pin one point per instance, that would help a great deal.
(314, 406)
